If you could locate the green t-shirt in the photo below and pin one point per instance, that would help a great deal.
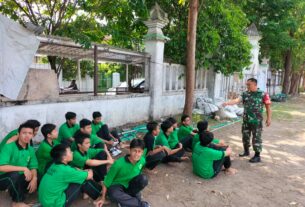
(203, 159)
(56, 180)
(122, 171)
(66, 132)
(79, 159)
(196, 140)
(184, 131)
(14, 154)
(96, 127)
(162, 140)
(7, 137)
(173, 139)
(94, 139)
(43, 155)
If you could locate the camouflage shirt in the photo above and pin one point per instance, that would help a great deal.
(253, 106)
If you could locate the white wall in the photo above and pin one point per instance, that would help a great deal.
(116, 112)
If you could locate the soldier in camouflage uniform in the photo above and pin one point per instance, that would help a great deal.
(253, 100)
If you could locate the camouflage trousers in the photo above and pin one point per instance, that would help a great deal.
(256, 131)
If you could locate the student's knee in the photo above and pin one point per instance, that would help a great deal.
(115, 192)
(143, 180)
(102, 155)
(14, 176)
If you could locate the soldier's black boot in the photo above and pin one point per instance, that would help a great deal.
(245, 153)
(256, 158)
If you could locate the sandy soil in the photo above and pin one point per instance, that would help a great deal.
(278, 181)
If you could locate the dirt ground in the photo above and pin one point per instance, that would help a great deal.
(278, 181)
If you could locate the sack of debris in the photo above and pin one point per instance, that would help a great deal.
(206, 105)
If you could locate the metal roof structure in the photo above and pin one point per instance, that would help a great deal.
(67, 48)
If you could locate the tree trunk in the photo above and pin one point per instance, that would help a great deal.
(295, 82)
(287, 68)
(303, 80)
(190, 59)
(52, 61)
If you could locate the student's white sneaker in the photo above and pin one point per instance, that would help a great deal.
(115, 143)
(116, 152)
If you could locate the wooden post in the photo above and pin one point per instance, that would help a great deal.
(95, 81)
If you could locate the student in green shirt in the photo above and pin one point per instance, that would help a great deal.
(202, 127)
(18, 166)
(186, 132)
(154, 154)
(85, 157)
(13, 135)
(124, 180)
(96, 122)
(85, 128)
(68, 129)
(173, 139)
(43, 152)
(173, 155)
(62, 184)
(101, 130)
(208, 162)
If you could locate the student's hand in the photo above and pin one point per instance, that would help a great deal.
(228, 151)
(224, 104)
(110, 161)
(27, 174)
(90, 174)
(166, 150)
(32, 187)
(99, 203)
(222, 143)
(180, 146)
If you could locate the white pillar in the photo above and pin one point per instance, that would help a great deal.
(79, 76)
(154, 45)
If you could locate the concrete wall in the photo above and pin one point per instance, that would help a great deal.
(116, 111)
(45, 86)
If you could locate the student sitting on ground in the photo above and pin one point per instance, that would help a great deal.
(43, 153)
(173, 139)
(88, 158)
(18, 166)
(101, 129)
(154, 155)
(186, 132)
(202, 127)
(124, 180)
(62, 184)
(173, 155)
(208, 162)
(85, 127)
(68, 129)
(13, 135)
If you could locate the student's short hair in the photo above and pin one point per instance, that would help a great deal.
(206, 138)
(34, 123)
(137, 143)
(70, 115)
(84, 122)
(151, 126)
(184, 116)
(172, 119)
(79, 137)
(166, 125)
(202, 125)
(58, 152)
(96, 114)
(26, 125)
(47, 129)
(252, 80)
